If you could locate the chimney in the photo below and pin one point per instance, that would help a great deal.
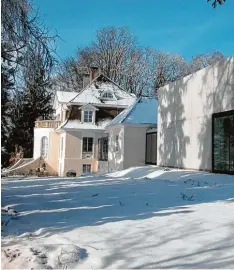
(85, 80)
(93, 72)
(89, 77)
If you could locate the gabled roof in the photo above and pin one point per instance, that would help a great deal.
(88, 106)
(64, 96)
(142, 111)
(92, 93)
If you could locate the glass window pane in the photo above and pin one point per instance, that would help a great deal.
(88, 116)
(86, 168)
(223, 142)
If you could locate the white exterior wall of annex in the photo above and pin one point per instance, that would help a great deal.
(134, 145)
(39, 133)
(185, 115)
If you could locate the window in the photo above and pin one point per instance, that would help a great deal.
(61, 148)
(116, 143)
(44, 146)
(108, 95)
(223, 142)
(88, 116)
(103, 149)
(86, 168)
(87, 144)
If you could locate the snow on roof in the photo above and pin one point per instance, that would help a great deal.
(93, 93)
(64, 96)
(142, 111)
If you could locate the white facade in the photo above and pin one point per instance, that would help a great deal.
(185, 112)
(130, 127)
(131, 147)
(39, 133)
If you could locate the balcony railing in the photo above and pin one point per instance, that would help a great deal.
(47, 124)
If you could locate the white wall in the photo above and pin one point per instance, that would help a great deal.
(134, 146)
(184, 115)
(38, 134)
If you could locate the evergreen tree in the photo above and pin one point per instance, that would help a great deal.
(7, 87)
(32, 103)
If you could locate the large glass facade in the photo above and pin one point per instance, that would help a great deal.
(223, 142)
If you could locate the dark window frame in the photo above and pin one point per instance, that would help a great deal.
(103, 149)
(87, 142)
(215, 116)
(146, 139)
(86, 166)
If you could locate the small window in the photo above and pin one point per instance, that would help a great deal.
(116, 143)
(108, 96)
(44, 146)
(87, 144)
(86, 168)
(88, 116)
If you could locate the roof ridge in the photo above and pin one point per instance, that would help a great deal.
(101, 74)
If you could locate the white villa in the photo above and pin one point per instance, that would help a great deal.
(92, 131)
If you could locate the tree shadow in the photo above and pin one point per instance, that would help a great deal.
(52, 205)
(218, 91)
(172, 141)
(166, 245)
(185, 115)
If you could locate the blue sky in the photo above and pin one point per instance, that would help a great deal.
(187, 27)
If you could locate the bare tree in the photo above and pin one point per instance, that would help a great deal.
(137, 69)
(111, 49)
(20, 30)
(116, 54)
(167, 68)
(216, 2)
(69, 76)
(203, 60)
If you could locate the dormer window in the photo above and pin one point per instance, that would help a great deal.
(108, 96)
(88, 113)
(88, 116)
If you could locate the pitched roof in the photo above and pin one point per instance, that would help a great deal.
(142, 111)
(64, 96)
(92, 93)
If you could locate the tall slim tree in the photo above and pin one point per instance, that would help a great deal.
(35, 99)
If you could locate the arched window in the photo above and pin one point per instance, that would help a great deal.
(107, 96)
(44, 146)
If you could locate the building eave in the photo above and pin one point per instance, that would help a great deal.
(99, 105)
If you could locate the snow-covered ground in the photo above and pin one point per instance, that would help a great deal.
(142, 217)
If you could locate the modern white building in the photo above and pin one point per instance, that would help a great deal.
(196, 120)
